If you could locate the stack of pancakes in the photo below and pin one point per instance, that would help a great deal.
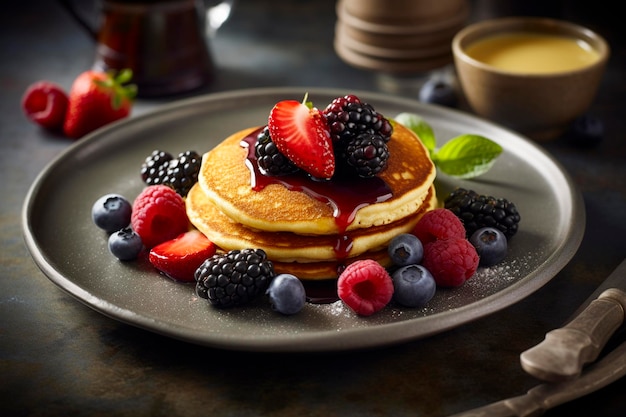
(308, 235)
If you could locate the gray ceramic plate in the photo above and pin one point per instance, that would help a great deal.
(73, 253)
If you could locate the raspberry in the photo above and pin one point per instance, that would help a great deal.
(159, 215)
(450, 261)
(437, 224)
(365, 286)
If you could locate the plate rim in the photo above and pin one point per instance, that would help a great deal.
(351, 339)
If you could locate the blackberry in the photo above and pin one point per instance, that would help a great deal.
(179, 173)
(234, 278)
(269, 159)
(367, 154)
(348, 117)
(477, 211)
(154, 167)
(182, 172)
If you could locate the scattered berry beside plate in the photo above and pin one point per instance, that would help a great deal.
(586, 131)
(438, 91)
(96, 99)
(45, 103)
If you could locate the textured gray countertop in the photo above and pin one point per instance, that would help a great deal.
(59, 357)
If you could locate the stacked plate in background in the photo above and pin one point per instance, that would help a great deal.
(398, 36)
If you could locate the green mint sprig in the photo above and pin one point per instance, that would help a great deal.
(465, 156)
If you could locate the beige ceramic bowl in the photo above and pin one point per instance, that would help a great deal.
(540, 106)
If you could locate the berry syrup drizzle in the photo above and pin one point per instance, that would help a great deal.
(346, 195)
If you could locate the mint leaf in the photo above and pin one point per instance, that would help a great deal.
(467, 156)
(420, 128)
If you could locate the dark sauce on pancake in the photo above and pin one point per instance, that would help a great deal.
(346, 195)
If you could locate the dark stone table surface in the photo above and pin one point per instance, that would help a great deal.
(59, 357)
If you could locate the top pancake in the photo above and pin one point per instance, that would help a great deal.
(225, 179)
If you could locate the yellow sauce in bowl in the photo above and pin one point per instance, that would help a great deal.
(533, 53)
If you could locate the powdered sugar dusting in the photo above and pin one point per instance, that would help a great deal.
(336, 309)
(502, 274)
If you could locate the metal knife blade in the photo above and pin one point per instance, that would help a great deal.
(566, 350)
(549, 395)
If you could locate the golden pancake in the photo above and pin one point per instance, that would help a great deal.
(226, 181)
(318, 271)
(312, 256)
(287, 246)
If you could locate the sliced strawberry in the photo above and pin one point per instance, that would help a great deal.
(301, 134)
(180, 257)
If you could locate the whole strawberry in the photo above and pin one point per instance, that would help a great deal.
(96, 99)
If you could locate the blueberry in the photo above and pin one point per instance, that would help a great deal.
(414, 286)
(491, 245)
(111, 212)
(405, 249)
(585, 131)
(287, 294)
(438, 91)
(125, 244)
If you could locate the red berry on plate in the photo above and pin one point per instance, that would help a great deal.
(438, 224)
(365, 286)
(45, 103)
(180, 257)
(450, 261)
(303, 136)
(159, 215)
(96, 99)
